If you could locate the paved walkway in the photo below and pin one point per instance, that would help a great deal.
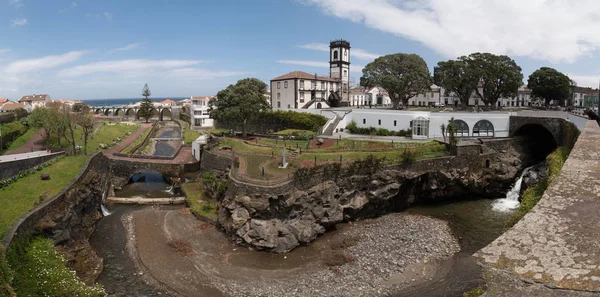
(556, 245)
(8, 158)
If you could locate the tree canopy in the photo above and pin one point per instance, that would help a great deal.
(146, 91)
(455, 76)
(402, 75)
(500, 76)
(146, 109)
(550, 84)
(240, 103)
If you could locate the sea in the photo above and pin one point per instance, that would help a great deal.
(125, 101)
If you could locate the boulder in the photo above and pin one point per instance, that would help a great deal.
(239, 217)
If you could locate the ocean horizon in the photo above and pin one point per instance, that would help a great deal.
(125, 101)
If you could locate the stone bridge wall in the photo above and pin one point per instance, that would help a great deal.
(125, 168)
(12, 168)
(553, 125)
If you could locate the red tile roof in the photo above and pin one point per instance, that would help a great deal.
(302, 75)
(13, 106)
(3, 100)
(168, 101)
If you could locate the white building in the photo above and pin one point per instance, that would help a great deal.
(432, 97)
(296, 89)
(200, 116)
(35, 100)
(301, 90)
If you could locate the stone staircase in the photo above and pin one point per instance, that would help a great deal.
(308, 104)
(332, 125)
(294, 154)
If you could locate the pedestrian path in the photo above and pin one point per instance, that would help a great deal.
(15, 157)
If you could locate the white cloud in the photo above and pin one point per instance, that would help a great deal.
(354, 52)
(126, 67)
(29, 65)
(551, 30)
(72, 6)
(15, 3)
(305, 63)
(125, 48)
(586, 80)
(108, 16)
(322, 47)
(200, 74)
(19, 22)
(4, 51)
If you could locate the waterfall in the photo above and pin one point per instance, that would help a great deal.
(511, 201)
(105, 211)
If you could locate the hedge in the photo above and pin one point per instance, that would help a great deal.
(272, 121)
(12, 131)
(354, 129)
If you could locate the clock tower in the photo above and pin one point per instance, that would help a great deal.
(339, 62)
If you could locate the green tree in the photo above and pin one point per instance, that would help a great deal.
(403, 76)
(500, 76)
(146, 91)
(451, 130)
(455, 77)
(87, 124)
(550, 84)
(81, 107)
(146, 109)
(240, 103)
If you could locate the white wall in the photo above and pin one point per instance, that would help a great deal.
(385, 119)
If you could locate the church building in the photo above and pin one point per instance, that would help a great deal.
(302, 90)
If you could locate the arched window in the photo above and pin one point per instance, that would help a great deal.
(461, 128)
(483, 128)
(335, 55)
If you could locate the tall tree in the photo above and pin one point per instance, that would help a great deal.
(86, 122)
(39, 119)
(146, 91)
(455, 77)
(240, 103)
(550, 84)
(68, 120)
(403, 76)
(146, 107)
(500, 76)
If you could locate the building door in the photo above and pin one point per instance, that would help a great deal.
(379, 100)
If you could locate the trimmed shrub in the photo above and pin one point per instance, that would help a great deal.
(280, 120)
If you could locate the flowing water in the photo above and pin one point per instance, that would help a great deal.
(512, 197)
(147, 184)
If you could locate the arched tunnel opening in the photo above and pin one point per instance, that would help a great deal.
(536, 142)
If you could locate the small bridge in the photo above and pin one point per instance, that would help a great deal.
(130, 111)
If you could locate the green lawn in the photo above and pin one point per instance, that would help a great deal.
(129, 148)
(297, 131)
(21, 140)
(391, 157)
(216, 131)
(253, 168)
(190, 135)
(106, 134)
(20, 197)
(284, 143)
(198, 203)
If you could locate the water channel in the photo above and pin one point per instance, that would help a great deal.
(475, 223)
(148, 184)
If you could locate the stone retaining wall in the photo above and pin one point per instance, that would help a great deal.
(125, 168)
(12, 168)
(62, 204)
(214, 162)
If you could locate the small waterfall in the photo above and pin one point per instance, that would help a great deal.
(105, 211)
(512, 197)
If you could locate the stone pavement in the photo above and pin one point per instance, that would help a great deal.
(555, 249)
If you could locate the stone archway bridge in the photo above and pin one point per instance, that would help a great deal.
(133, 110)
(554, 250)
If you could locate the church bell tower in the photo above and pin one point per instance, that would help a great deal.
(339, 62)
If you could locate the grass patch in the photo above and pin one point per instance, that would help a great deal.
(39, 270)
(474, 292)
(106, 134)
(533, 194)
(216, 131)
(295, 131)
(280, 143)
(190, 135)
(253, 168)
(21, 140)
(5, 277)
(198, 203)
(273, 166)
(129, 149)
(20, 197)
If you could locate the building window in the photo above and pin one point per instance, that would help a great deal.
(278, 85)
(301, 85)
(420, 127)
(394, 123)
(285, 84)
(278, 95)
(313, 84)
(278, 104)
(288, 106)
(379, 122)
(301, 97)
(197, 112)
(483, 128)
(364, 121)
(323, 85)
(197, 122)
(335, 55)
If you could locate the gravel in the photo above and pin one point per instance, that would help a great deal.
(385, 247)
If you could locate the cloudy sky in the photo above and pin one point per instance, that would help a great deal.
(109, 49)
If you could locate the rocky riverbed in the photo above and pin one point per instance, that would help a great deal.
(383, 259)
